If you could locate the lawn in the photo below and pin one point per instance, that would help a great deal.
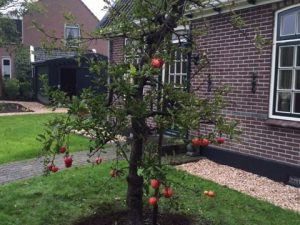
(18, 137)
(70, 196)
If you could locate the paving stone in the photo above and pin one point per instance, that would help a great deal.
(34, 167)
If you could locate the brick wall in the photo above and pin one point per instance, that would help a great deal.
(233, 58)
(52, 20)
(117, 45)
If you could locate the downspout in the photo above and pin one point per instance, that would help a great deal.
(109, 59)
(189, 71)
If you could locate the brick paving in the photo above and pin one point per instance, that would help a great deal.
(34, 167)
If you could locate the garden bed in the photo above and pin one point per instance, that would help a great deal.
(13, 108)
(120, 218)
(88, 194)
(279, 194)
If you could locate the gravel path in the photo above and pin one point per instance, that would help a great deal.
(284, 196)
(34, 167)
(36, 107)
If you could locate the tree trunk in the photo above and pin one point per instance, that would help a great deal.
(135, 182)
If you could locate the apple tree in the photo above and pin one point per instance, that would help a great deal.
(138, 99)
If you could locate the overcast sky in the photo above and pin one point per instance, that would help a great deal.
(96, 7)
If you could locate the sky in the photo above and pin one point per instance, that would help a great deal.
(96, 7)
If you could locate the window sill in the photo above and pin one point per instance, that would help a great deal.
(283, 123)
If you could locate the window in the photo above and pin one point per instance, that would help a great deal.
(176, 70)
(72, 35)
(285, 87)
(6, 68)
(132, 51)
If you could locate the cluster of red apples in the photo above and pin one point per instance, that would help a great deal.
(68, 160)
(167, 192)
(197, 142)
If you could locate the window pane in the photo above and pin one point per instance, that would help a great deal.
(173, 55)
(184, 67)
(72, 32)
(298, 15)
(298, 55)
(297, 80)
(285, 79)
(172, 68)
(6, 68)
(6, 62)
(178, 54)
(178, 67)
(177, 79)
(288, 24)
(286, 56)
(171, 79)
(297, 103)
(284, 101)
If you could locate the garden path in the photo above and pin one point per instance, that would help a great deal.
(36, 107)
(34, 167)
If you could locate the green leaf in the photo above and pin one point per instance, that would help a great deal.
(132, 70)
(140, 172)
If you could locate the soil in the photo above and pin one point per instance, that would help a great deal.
(120, 218)
(13, 108)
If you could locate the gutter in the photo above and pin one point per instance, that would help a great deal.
(195, 14)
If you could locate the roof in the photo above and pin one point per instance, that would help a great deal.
(41, 55)
(64, 60)
(124, 6)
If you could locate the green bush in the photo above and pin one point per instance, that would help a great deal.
(26, 91)
(11, 88)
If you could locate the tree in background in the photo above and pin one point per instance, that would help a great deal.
(136, 98)
(10, 36)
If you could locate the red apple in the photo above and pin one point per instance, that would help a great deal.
(220, 140)
(49, 166)
(54, 169)
(152, 201)
(211, 194)
(68, 161)
(62, 149)
(113, 173)
(204, 142)
(98, 160)
(205, 192)
(167, 192)
(196, 141)
(157, 63)
(154, 183)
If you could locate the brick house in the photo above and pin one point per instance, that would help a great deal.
(265, 87)
(51, 19)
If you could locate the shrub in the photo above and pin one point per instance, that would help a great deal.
(11, 88)
(26, 91)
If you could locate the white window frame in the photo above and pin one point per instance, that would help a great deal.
(2, 66)
(273, 89)
(167, 67)
(72, 26)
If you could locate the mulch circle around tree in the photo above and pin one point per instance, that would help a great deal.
(120, 218)
(13, 108)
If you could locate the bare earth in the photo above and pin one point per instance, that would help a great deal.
(36, 107)
(279, 194)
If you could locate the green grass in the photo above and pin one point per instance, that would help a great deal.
(18, 137)
(69, 196)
